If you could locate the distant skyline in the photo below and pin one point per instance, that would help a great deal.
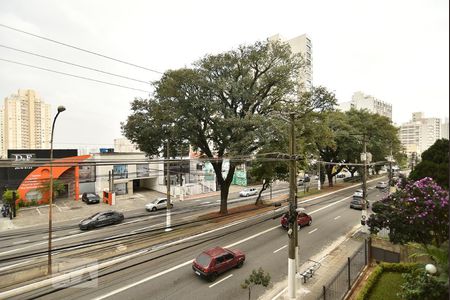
(396, 51)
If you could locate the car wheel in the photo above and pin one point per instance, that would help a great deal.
(171, 205)
(310, 222)
(153, 208)
(240, 264)
(212, 277)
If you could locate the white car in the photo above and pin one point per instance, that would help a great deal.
(358, 193)
(381, 185)
(159, 203)
(248, 192)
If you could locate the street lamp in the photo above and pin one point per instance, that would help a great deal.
(49, 266)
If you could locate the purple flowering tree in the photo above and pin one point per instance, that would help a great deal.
(416, 212)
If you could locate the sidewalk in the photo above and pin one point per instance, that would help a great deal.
(332, 259)
(69, 209)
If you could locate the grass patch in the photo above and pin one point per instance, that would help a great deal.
(387, 287)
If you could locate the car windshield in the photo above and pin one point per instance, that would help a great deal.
(157, 200)
(91, 195)
(203, 259)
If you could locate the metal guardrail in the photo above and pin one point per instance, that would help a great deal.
(341, 283)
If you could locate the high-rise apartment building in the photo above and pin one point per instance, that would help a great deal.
(372, 104)
(26, 122)
(444, 129)
(420, 133)
(301, 44)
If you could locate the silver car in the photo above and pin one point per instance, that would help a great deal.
(381, 185)
(159, 203)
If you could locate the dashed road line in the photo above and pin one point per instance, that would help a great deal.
(312, 231)
(337, 217)
(279, 249)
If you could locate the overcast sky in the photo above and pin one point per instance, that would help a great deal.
(397, 51)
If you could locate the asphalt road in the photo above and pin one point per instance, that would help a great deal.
(167, 273)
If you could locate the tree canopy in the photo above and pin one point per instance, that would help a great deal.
(416, 212)
(219, 106)
(434, 163)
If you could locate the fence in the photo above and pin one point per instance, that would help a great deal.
(346, 276)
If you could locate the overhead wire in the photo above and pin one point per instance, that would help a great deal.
(73, 64)
(76, 76)
(79, 48)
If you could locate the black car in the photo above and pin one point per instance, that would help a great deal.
(101, 219)
(90, 198)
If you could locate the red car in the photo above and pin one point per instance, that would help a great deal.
(303, 219)
(214, 261)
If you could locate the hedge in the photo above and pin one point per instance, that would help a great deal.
(376, 274)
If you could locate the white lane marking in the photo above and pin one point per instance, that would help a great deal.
(143, 228)
(207, 202)
(20, 242)
(220, 281)
(168, 220)
(39, 212)
(15, 265)
(312, 231)
(59, 208)
(279, 249)
(337, 217)
(114, 292)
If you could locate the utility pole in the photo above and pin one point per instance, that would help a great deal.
(390, 172)
(364, 186)
(168, 175)
(293, 230)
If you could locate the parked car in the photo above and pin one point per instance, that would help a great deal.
(381, 185)
(159, 203)
(340, 175)
(90, 198)
(303, 219)
(358, 203)
(101, 219)
(248, 192)
(212, 262)
(300, 182)
(358, 193)
(316, 177)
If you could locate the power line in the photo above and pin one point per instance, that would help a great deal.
(73, 64)
(76, 76)
(80, 49)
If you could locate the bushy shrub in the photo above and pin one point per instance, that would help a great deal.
(420, 285)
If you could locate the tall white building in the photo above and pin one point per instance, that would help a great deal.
(301, 44)
(26, 122)
(444, 129)
(125, 145)
(420, 133)
(372, 104)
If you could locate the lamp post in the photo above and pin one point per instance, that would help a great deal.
(49, 266)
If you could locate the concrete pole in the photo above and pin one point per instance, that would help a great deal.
(364, 214)
(168, 175)
(292, 231)
(318, 182)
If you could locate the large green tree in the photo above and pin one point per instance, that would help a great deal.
(434, 163)
(220, 106)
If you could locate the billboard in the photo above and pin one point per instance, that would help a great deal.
(142, 170)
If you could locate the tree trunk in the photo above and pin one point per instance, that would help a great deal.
(264, 187)
(330, 179)
(224, 190)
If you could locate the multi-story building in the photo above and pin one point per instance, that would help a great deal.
(125, 145)
(301, 44)
(26, 122)
(372, 104)
(444, 129)
(419, 134)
